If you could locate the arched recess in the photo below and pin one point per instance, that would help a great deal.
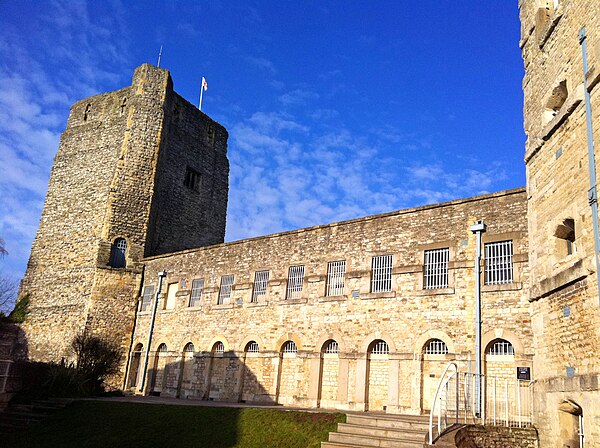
(377, 375)
(290, 336)
(290, 382)
(433, 334)
(510, 336)
(217, 370)
(433, 359)
(329, 373)
(118, 253)
(135, 364)
(219, 338)
(570, 422)
(368, 341)
(185, 386)
(250, 387)
(160, 369)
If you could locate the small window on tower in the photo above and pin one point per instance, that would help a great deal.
(210, 135)
(566, 232)
(192, 179)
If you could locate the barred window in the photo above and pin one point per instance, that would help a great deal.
(435, 272)
(162, 348)
(289, 347)
(499, 347)
(118, 252)
(252, 347)
(225, 289)
(219, 347)
(436, 347)
(381, 276)
(295, 282)
(379, 347)
(261, 279)
(196, 296)
(147, 297)
(499, 263)
(336, 271)
(331, 347)
(189, 348)
(191, 179)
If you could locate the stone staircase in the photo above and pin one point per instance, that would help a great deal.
(18, 416)
(379, 430)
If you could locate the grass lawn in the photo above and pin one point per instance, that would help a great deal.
(112, 424)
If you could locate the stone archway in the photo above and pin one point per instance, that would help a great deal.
(570, 416)
(329, 370)
(377, 378)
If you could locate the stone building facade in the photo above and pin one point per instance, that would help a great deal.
(564, 277)
(139, 172)
(381, 305)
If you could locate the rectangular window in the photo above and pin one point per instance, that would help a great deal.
(295, 282)
(381, 276)
(171, 295)
(225, 289)
(499, 263)
(196, 296)
(147, 295)
(192, 178)
(336, 271)
(435, 268)
(261, 278)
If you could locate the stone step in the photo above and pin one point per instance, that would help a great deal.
(374, 431)
(369, 441)
(339, 445)
(417, 422)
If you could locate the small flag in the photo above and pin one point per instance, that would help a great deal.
(204, 84)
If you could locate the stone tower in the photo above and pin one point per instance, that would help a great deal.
(139, 172)
(564, 294)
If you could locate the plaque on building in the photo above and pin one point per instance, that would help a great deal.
(523, 373)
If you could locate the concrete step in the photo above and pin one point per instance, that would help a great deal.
(417, 422)
(369, 441)
(374, 431)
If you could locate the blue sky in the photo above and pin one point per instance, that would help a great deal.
(335, 110)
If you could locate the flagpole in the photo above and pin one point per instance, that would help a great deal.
(201, 91)
(159, 55)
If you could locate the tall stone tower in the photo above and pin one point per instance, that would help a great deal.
(139, 172)
(564, 293)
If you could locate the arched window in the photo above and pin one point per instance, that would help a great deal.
(117, 254)
(289, 347)
(252, 347)
(218, 348)
(436, 347)
(189, 348)
(500, 347)
(379, 347)
(139, 347)
(331, 347)
(162, 348)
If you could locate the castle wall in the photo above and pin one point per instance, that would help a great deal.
(565, 308)
(406, 317)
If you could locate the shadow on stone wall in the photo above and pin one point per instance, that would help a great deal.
(13, 349)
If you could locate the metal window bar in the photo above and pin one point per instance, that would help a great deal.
(381, 280)
(380, 348)
(261, 279)
(117, 254)
(499, 263)
(162, 348)
(290, 347)
(189, 348)
(435, 274)
(295, 282)
(336, 271)
(196, 296)
(147, 295)
(332, 347)
(500, 348)
(219, 347)
(252, 347)
(436, 347)
(225, 289)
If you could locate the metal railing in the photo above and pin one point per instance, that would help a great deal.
(505, 401)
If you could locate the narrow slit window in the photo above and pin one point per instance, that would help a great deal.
(192, 179)
(225, 289)
(336, 272)
(435, 269)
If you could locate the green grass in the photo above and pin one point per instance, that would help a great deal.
(87, 424)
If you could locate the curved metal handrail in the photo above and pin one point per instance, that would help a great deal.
(441, 384)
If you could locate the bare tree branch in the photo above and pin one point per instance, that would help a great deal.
(3, 250)
(8, 293)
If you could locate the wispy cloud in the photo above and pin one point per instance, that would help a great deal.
(298, 97)
(261, 63)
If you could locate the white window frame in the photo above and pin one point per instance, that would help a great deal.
(381, 273)
(336, 273)
(147, 295)
(289, 347)
(380, 348)
(499, 268)
(252, 347)
(196, 295)
(501, 347)
(436, 347)
(332, 347)
(435, 268)
(295, 282)
(261, 281)
(225, 289)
